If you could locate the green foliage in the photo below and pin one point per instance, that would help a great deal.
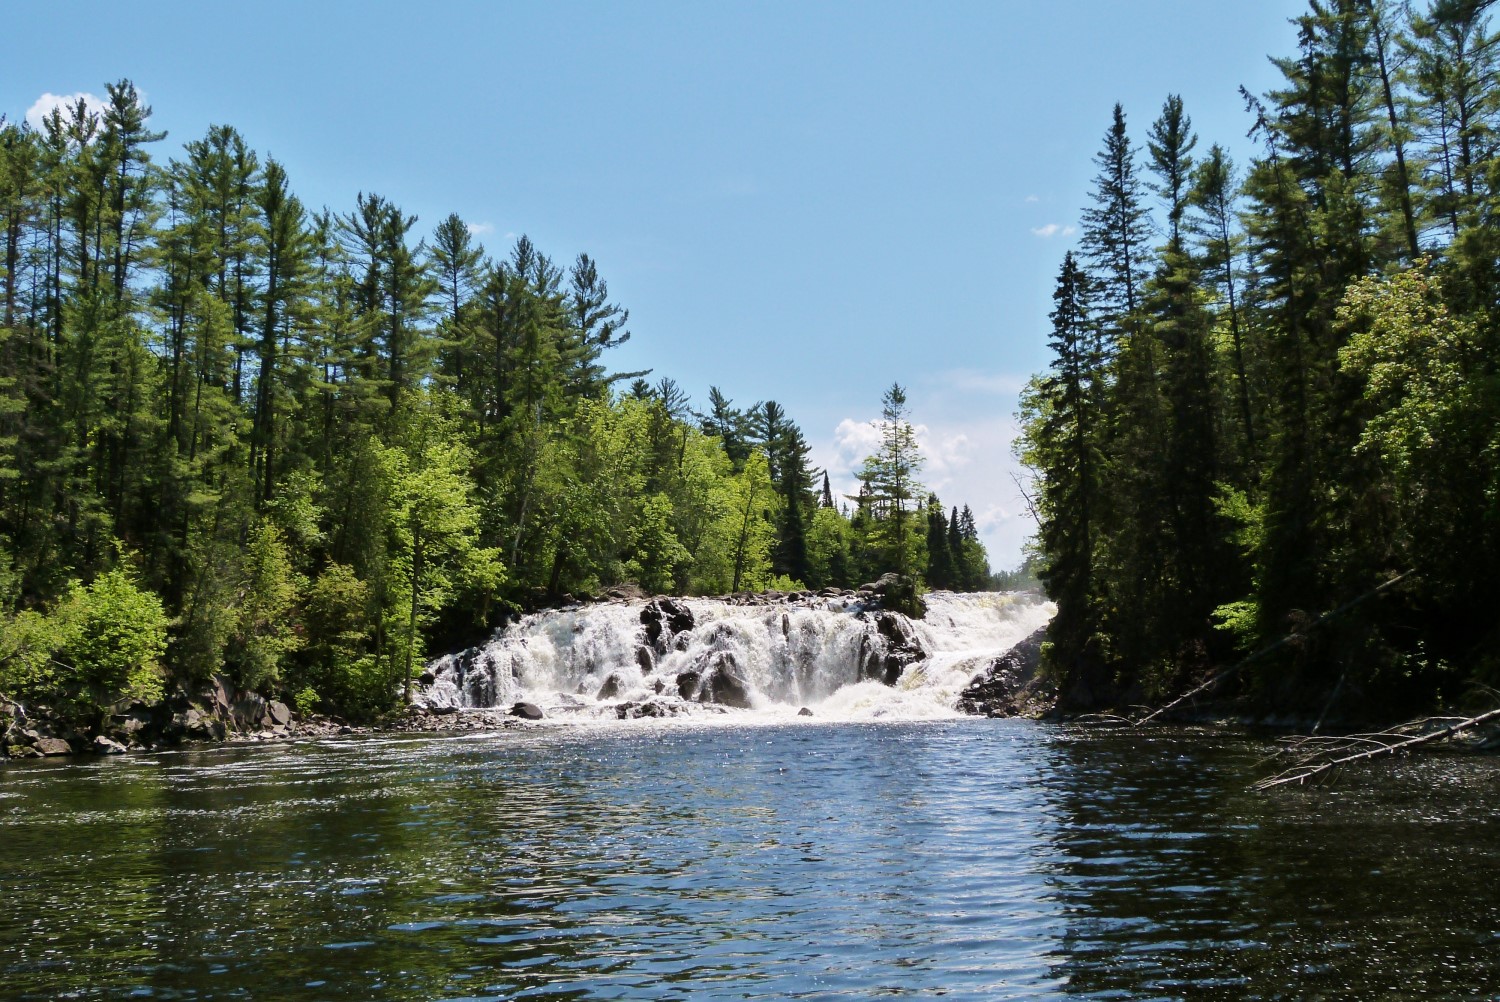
(103, 641)
(337, 446)
(266, 632)
(1295, 406)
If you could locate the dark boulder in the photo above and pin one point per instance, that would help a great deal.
(527, 711)
(804, 712)
(688, 684)
(645, 660)
(613, 687)
(724, 683)
(663, 619)
(893, 647)
(248, 713)
(1011, 685)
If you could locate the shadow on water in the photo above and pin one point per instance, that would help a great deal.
(1177, 881)
(972, 859)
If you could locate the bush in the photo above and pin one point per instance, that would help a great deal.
(113, 636)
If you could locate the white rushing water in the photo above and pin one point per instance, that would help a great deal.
(832, 656)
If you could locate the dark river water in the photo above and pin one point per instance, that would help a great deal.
(967, 859)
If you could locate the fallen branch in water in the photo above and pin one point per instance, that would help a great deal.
(1331, 752)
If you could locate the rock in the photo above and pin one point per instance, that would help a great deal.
(1010, 686)
(249, 711)
(280, 713)
(649, 708)
(723, 683)
(218, 696)
(104, 746)
(804, 712)
(645, 659)
(611, 688)
(52, 746)
(624, 593)
(527, 711)
(426, 678)
(443, 711)
(894, 647)
(665, 618)
(688, 684)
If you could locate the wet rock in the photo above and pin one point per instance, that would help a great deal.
(104, 746)
(1010, 686)
(527, 711)
(280, 713)
(896, 647)
(52, 746)
(663, 619)
(724, 683)
(645, 659)
(688, 684)
(650, 708)
(804, 712)
(612, 687)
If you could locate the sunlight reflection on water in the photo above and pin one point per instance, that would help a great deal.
(976, 859)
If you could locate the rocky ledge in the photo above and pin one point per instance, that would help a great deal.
(217, 712)
(1012, 685)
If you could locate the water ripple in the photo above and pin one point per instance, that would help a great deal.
(968, 859)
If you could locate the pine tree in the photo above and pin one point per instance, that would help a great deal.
(1116, 229)
(890, 475)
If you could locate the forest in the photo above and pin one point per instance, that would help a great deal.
(308, 449)
(1270, 429)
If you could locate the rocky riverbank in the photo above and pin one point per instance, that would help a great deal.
(1012, 686)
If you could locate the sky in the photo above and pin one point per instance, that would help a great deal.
(797, 201)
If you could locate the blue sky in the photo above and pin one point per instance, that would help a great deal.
(796, 201)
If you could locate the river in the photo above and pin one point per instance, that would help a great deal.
(972, 859)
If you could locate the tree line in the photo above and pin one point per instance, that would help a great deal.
(308, 448)
(1274, 386)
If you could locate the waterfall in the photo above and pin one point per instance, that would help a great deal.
(837, 657)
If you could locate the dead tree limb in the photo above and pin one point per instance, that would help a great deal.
(1312, 767)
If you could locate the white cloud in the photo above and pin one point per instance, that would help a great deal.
(1053, 229)
(39, 111)
(480, 229)
(1032, 199)
(967, 462)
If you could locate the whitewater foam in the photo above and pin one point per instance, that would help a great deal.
(777, 657)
